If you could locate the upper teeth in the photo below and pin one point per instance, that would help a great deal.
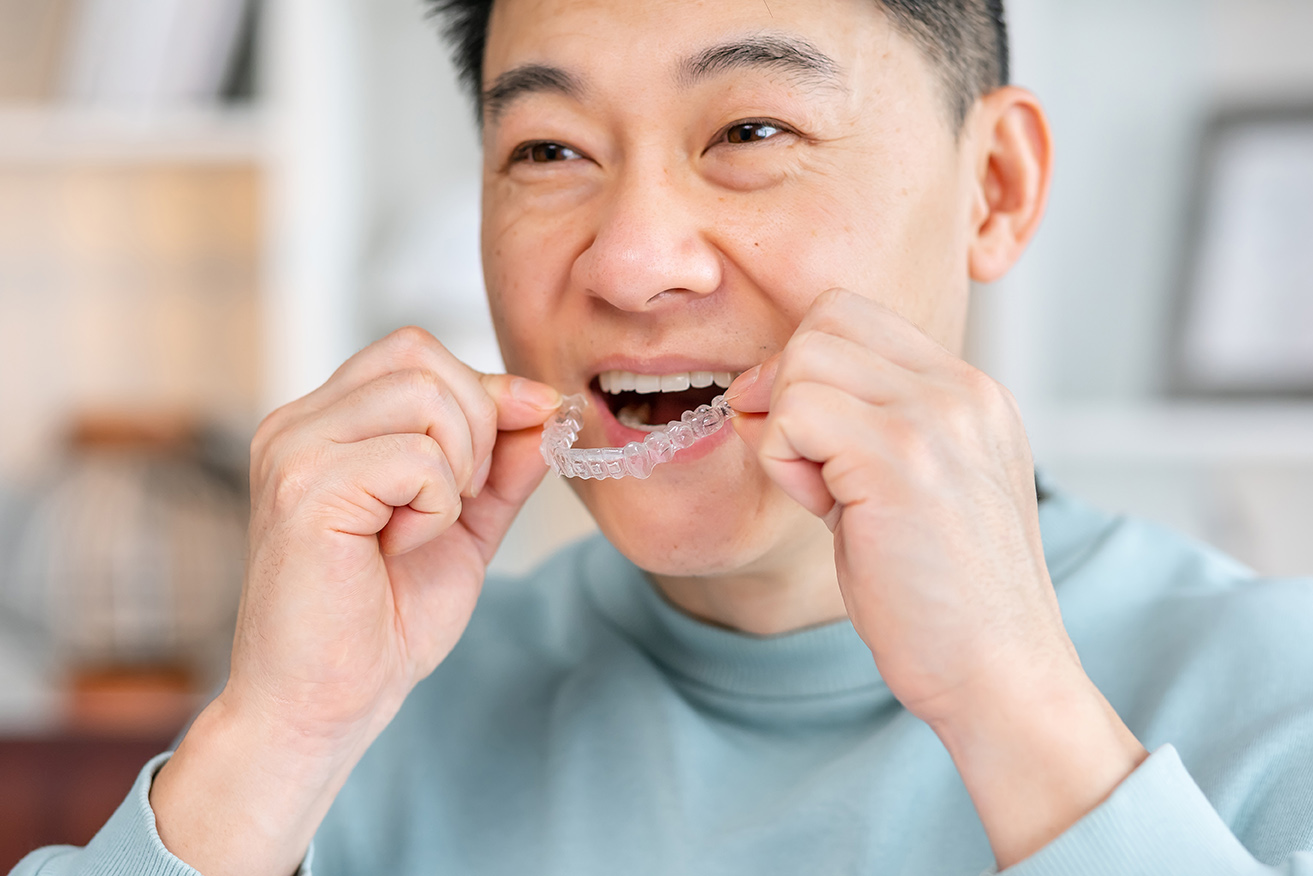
(627, 381)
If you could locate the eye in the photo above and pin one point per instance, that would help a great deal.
(543, 151)
(751, 131)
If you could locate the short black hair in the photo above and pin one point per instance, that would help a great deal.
(965, 40)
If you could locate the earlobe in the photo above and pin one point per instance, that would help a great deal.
(1014, 169)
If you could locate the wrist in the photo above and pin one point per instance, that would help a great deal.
(1036, 755)
(245, 794)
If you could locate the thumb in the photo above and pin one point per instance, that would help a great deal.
(521, 402)
(751, 391)
(749, 395)
(516, 468)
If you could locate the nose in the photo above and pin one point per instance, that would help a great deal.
(650, 247)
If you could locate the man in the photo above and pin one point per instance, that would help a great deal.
(825, 641)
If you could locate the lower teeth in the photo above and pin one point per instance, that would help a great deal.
(635, 417)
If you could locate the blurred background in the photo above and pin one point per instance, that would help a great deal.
(206, 205)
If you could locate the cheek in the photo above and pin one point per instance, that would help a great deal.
(526, 265)
(808, 237)
(892, 235)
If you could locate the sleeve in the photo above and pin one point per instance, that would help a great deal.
(1156, 823)
(128, 844)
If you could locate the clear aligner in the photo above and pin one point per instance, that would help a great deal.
(637, 458)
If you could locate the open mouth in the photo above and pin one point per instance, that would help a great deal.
(649, 401)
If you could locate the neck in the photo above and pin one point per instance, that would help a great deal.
(794, 587)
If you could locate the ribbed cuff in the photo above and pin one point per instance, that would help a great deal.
(128, 844)
(1156, 823)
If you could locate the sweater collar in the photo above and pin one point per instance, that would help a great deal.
(826, 660)
(820, 661)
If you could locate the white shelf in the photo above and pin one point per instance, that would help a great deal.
(40, 135)
(1190, 432)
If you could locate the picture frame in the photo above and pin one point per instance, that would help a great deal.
(1243, 325)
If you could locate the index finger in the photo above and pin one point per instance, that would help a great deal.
(405, 348)
(413, 348)
(876, 326)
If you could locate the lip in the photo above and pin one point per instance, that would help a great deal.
(660, 365)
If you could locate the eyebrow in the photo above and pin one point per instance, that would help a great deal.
(787, 54)
(525, 80)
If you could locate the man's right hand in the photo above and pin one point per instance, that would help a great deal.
(377, 503)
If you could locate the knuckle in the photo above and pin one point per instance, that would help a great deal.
(417, 444)
(979, 384)
(292, 476)
(785, 404)
(432, 458)
(422, 383)
(429, 390)
(980, 401)
(449, 505)
(266, 427)
(958, 413)
(914, 446)
(854, 475)
(832, 297)
(810, 353)
(280, 445)
(829, 319)
(448, 496)
(1002, 403)
(790, 411)
(809, 342)
(903, 438)
(265, 432)
(836, 309)
(266, 448)
(259, 442)
(410, 344)
(443, 489)
(411, 337)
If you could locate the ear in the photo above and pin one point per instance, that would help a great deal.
(1014, 165)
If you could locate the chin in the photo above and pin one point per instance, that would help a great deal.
(718, 516)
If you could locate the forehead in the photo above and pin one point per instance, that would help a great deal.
(809, 42)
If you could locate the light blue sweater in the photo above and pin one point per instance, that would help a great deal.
(584, 726)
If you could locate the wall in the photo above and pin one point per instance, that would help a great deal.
(1079, 330)
(1128, 85)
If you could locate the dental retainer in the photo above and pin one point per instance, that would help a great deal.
(637, 458)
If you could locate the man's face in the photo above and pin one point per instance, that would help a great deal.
(667, 187)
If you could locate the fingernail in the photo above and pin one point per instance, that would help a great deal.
(535, 394)
(743, 383)
(481, 477)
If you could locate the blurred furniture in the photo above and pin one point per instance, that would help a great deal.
(131, 556)
(161, 250)
(125, 574)
(60, 785)
(129, 274)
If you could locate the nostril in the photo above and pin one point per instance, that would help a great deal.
(667, 295)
